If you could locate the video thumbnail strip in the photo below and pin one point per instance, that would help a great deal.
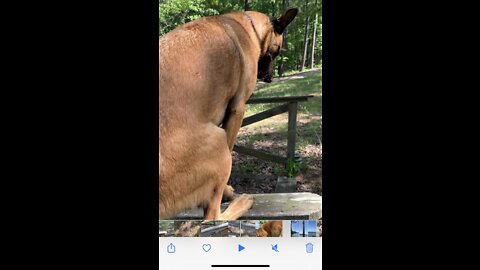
(240, 228)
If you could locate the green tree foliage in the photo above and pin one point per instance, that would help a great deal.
(173, 13)
(177, 12)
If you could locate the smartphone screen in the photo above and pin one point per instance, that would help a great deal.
(240, 135)
(240, 244)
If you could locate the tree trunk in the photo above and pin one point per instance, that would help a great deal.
(247, 5)
(309, 55)
(320, 48)
(273, 9)
(314, 35)
(305, 40)
(284, 45)
(299, 56)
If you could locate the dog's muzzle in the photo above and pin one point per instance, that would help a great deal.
(265, 68)
(264, 77)
(267, 78)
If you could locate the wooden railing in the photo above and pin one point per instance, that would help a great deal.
(291, 106)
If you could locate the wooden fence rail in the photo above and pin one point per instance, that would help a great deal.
(291, 106)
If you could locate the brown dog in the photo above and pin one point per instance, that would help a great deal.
(270, 229)
(208, 70)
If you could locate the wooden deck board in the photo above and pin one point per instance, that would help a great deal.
(275, 206)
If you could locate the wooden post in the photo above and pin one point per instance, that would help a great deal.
(292, 127)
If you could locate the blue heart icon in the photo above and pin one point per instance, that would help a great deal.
(206, 247)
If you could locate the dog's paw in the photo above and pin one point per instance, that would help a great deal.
(228, 194)
(246, 200)
(238, 207)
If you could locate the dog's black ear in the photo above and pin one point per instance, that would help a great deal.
(281, 23)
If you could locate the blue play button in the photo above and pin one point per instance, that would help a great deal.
(240, 247)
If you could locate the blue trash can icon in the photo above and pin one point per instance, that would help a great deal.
(309, 247)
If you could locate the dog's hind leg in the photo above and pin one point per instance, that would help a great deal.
(221, 164)
(236, 209)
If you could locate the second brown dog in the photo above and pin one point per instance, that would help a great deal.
(270, 229)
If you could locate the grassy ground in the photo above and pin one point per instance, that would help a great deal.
(270, 135)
